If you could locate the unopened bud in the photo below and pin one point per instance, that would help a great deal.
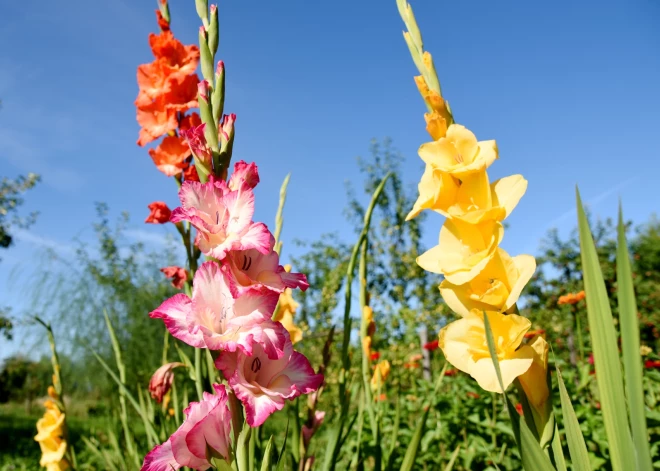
(213, 32)
(219, 92)
(226, 129)
(206, 58)
(203, 90)
(202, 7)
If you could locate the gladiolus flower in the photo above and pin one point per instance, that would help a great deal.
(496, 288)
(50, 436)
(519, 409)
(223, 218)
(189, 121)
(439, 119)
(163, 24)
(159, 213)
(458, 153)
(411, 365)
(254, 270)
(161, 381)
(465, 347)
(451, 372)
(309, 431)
(263, 384)
(170, 155)
(182, 60)
(432, 345)
(197, 143)
(205, 431)
(463, 250)
(473, 201)
(380, 375)
(375, 356)
(534, 380)
(178, 275)
(285, 313)
(571, 298)
(218, 318)
(155, 119)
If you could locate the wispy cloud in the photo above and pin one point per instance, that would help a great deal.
(29, 237)
(591, 202)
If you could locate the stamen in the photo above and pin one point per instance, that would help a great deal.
(256, 365)
(217, 217)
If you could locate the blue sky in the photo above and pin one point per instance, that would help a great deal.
(568, 90)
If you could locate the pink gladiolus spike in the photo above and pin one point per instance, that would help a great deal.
(161, 381)
(308, 432)
(263, 384)
(251, 269)
(245, 176)
(197, 143)
(219, 319)
(205, 430)
(222, 217)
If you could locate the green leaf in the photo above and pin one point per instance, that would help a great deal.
(452, 459)
(268, 456)
(576, 445)
(630, 345)
(533, 456)
(395, 432)
(557, 451)
(280, 456)
(605, 349)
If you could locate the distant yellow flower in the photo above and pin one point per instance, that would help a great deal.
(380, 375)
(295, 332)
(496, 288)
(458, 153)
(286, 309)
(534, 380)
(465, 346)
(644, 350)
(51, 438)
(463, 250)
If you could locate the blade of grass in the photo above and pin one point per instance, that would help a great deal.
(574, 438)
(533, 457)
(630, 345)
(605, 349)
(557, 455)
(151, 433)
(395, 433)
(452, 459)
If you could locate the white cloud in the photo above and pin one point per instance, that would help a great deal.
(41, 241)
(149, 237)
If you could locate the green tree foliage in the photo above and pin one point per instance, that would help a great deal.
(115, 276)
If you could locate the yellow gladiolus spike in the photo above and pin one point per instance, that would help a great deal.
(465, 346)
(380, 375)
(459, 153)
(285, 313)
(496, 288)
(463, 250)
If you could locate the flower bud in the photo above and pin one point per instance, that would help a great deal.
(218, 97)
(201, 151)
(226, 130)
(309, 429)
(213, 33)
(204, 91)
(206, 58)
(161, 381)
(202, 7)
(159, 213)
(178, 275)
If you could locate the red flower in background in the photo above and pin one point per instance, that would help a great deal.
(473, 395)
(190, 173)
(519, 408)
(433, 345)
(159, 213)
(652, 364)
(177, 274)
(170, 156)
(533, 333)
(451, 372)
(571, 298)
(375, 356)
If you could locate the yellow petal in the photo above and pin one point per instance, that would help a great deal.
(524, 266)
(437, 191)
(294, 331)
(452, 341)
(484, 370)
(459, 153)
(463, 249)
(508, 191)
(534, 381)
(436, 125)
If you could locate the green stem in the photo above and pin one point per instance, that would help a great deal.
(198, 374)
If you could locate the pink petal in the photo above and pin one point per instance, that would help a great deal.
(300, 372)
(160, 458)
(240, 206)
(175, 312)
(294, 280)
(258, 408)
(257, 237)
(245, 175)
